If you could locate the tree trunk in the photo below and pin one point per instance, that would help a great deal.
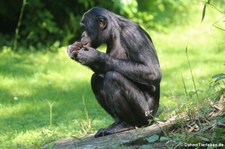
(127, 139)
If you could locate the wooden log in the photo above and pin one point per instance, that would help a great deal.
(124, 139)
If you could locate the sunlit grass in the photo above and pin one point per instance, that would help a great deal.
(206, 52)
(28, 82)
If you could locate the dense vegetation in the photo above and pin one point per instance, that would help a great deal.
(57, 23)
(44, 96)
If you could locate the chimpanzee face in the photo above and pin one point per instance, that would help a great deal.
(94, 28)
(96, 31)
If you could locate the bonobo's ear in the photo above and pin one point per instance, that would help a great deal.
(102, 22)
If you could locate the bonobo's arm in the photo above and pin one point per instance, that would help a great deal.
(141, 72)
(144, 70)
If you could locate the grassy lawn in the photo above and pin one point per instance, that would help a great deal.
(30, 83)
(45, 96)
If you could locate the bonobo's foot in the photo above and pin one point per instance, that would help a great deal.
(114, 128)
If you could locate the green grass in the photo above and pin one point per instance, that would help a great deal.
(30, 81)
(206, 52)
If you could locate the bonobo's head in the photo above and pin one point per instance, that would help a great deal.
(96, 30)
(95, 24)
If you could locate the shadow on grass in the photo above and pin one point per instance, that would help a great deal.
(30, 112)
(10, 65)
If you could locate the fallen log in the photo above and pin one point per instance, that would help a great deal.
(124, 139)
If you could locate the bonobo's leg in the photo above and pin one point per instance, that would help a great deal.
(122, 99)
(97, 87)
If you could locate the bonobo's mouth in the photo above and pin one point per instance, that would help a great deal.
(85, 39)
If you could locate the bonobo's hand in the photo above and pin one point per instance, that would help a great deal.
(73, 49)
(87, 55)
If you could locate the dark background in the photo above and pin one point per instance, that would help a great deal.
(48, 22)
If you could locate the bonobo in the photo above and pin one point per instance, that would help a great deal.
(126, 79)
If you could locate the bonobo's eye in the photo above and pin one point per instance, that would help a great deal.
(102, 22)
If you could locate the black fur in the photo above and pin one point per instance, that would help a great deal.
(126, 79)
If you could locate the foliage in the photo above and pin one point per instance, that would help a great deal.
(49, 24)
(213, 4)
(153, 138)
(159, 14)
(203, 126)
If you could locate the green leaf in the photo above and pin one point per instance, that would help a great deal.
(203, 12)
(163, 139)
(153, 138)
(222, 121)
(218, 75)
(206, 109)
(219, 28)
(146, 147)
